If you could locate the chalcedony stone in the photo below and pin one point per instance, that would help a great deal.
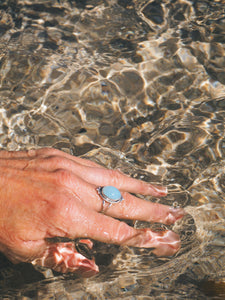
(111, 193)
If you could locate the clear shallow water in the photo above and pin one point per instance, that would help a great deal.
(135, 85)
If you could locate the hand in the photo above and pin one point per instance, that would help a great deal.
(47, 193)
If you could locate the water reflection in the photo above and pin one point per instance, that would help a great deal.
(135, 85)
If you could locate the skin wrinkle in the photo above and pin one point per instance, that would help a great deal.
(123, 233)
(115, 176)
(29, 245)
(9, 163)
(128, 207)
(75, 186)
(46, 152)
(57, 224)
(57, 162)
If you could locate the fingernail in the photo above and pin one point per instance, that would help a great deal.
(161, 190)
(174, 214)
(177, 212)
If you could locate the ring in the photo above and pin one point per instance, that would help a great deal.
(109, 195)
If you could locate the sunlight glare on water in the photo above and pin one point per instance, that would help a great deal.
(134, 85)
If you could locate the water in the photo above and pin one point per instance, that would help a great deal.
(136, 85)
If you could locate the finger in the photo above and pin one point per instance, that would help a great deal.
(53, 159)
(51, 152)
(134, 208)
(165, 243)
(45, 153)
(64, 258)
(104, 177)
(130, 208)
(106, 229)
(99, 176)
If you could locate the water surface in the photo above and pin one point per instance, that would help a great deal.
(136, 85)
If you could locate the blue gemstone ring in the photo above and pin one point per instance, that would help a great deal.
(109, 195)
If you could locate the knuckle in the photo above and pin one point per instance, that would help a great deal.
(123, 233)
(31, 152)
(116, 177)
(48, 151)
(62, 176)
(54, 161)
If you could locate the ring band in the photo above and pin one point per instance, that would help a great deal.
(109, 195)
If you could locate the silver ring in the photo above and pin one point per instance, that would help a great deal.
(109, 195)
